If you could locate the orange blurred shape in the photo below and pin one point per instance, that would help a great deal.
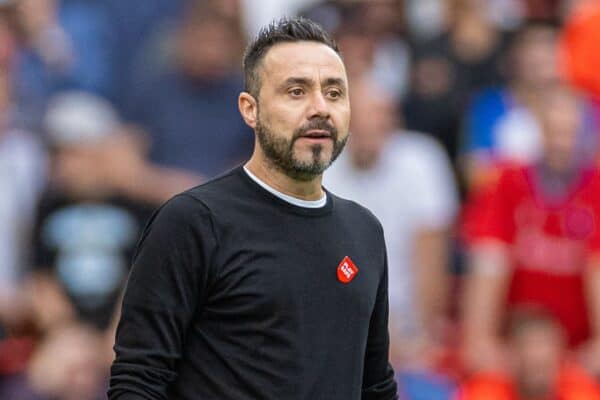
(579, 47)
(487, 387)
(573, 384)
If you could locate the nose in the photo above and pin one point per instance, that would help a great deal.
(318, 106)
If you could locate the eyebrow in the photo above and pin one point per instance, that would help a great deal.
(335, 82)
(309, 82)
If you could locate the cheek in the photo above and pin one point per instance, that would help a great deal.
(282, 119)
(341, 119)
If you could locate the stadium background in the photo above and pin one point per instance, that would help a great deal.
(107, 108)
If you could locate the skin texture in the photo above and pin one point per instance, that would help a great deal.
(303, 92)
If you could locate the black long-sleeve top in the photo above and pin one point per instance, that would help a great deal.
(237, 294)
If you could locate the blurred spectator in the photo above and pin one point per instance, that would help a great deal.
(189, 107)
(536, 242)
(381, 165)
(136, 23)
(370, 35)
(539, 366)
(22, 175)
(391, 58)
(499, 124)
(86, 228)
(450, 67)
(68, 45)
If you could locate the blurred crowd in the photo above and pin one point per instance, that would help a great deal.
(474, 139)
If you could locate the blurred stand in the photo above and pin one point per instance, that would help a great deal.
(499, 124)
(67, 44)
(23, 166)
(449, 67)
(371, 36)
(187, 105)
(483, 77)
(135, 24)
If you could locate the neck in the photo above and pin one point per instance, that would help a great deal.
(277, 179)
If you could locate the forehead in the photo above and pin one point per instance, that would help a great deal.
(302, 59)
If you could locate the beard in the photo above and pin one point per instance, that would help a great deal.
(280, 150)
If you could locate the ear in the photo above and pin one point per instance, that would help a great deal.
(248, 108)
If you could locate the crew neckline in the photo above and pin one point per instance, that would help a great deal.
(307, 204)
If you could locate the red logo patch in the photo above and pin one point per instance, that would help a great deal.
(346, 271)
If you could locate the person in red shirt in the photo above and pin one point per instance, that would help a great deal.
(536, 242)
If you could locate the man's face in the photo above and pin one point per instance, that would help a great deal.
(373, 121)
(536, 58)
(303, 109)
(537, 356)
(561, 123)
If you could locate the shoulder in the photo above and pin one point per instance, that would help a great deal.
(421, 160)
(356, 214)
(514, 170)
(417, 146)
(513, 178)
(212, 192)
(179, 213)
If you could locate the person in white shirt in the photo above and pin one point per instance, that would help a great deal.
(405, 179)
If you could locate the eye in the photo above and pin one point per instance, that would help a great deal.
(296, 92)
(334, 94)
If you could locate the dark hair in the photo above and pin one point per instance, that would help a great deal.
(284, 30)
(532, 25)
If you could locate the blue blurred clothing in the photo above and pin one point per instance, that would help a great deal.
(424, 386)
(90, 40)
(497, 125)
(135, 22)
(194, 125)
(486, 109)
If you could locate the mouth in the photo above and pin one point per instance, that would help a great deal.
(316, 134)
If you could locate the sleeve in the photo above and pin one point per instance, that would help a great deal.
(490, 212)
(169, 279)
(480, 119)
(378, 375)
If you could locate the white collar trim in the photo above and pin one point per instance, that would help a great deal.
(285, 197)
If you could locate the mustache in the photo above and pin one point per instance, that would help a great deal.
(316, 124)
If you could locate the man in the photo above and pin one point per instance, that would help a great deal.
(260, 284)
(536, 243)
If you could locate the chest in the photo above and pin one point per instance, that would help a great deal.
(297, 272)
(553, 240)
